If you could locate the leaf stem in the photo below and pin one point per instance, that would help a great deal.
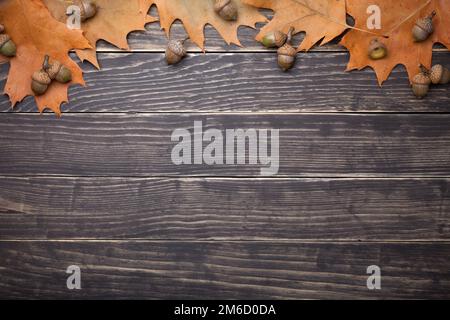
(409, 17)
(317, 12)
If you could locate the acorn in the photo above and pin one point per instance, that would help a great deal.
(57, 71)
(287, 53)
(274, 39)
(88, 9)
(421, 83)
(2, 28)
(439, 74)
(423, 28)
(175, 51)
(226, 9)
(377, 50)
(7, 46)
(40, 82)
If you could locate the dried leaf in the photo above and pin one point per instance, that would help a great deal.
(321, 20)
(114, 20)
(398, 18)
(37, 34)
(195, 14)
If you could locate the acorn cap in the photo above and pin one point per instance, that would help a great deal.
(177, 47)
(439, 74)
(175, 51)
(88, 8)
(287, 50)
(42, 77)
(226, 9)
(436, 73)
(53, 69)
(426, 23)
(220, 4)
(422, 78)
(274, 39)
(4, 38)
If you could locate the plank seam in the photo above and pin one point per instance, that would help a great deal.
(286, 241)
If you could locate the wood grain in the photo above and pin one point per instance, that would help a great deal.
(311, 145)
(380, 193)
(230, 82)
(224, 209)
(225, 270)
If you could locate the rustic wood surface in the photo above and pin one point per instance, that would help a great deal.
(363, 180)
(311, 145)
(224, 270)
(240, 82)
(217, 208)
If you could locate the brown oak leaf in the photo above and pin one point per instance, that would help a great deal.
(196, 14)
(321, 20)
(114, 20)
(398, 19)
(37, 34)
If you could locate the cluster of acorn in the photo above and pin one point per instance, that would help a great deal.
(422, 81)
(42, 79)
(286, 52)
(422, 30)
(225, 9)
(56, 71)
(7, 46)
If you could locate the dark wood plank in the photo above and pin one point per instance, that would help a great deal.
(311, 145)
(225, 270)
(124, 208)
(239, 83)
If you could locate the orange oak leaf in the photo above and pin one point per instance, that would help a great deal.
(196, 14)
(397, 21)
(114, 20)
(37, 34)
(321, 20)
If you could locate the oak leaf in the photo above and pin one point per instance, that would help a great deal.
(114, 20)
(196, 14)
(397, 21)
(321, 20)
(37, 34)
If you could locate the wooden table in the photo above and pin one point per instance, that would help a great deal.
(363, 180)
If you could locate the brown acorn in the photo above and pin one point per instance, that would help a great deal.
(175, 51)
(421, 83)
(226, 9)
(274, 39)
(7, 46)
(377, 50)
(287, 53)
(2, 28)
(57, 71)
(423, 28)
(439, 74)
(88, 8)
(40, 82)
